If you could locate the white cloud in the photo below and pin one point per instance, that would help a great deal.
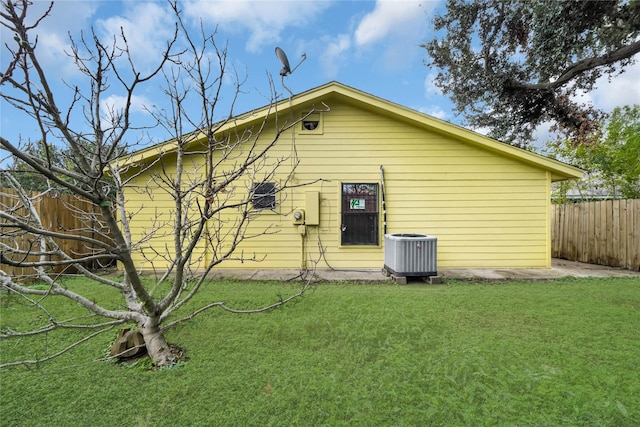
(624, 89)
(265, 20)
(434, 111)
(335, 53)
(430, 87)
(147, 27)
(52, 52)
(389, 18)
(542, 135)
(395, 29)
(65, 15)
(52, 32)
(115, 104)
(481, 130)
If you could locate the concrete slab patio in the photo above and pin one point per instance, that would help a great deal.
(559, 268)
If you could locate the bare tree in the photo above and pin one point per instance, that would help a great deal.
(211, 204)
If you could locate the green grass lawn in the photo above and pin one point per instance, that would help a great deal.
(563, 352)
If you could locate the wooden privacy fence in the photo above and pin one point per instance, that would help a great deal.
(604, 232)
(60, 213)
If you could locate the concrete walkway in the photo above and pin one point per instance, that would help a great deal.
(559, 268)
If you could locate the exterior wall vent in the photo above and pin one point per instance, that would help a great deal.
(410, 255)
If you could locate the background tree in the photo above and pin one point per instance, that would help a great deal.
(93, 135)
(30, 180)
(509, 66)
(612, 164)
(22, 173)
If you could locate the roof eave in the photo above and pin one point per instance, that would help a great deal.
(559, 171)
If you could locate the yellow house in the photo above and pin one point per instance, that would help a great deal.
(357, 168)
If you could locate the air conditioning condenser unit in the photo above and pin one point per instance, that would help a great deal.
(410, 255)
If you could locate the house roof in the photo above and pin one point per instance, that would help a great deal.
(559, 171)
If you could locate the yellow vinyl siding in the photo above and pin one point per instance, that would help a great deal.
(486, 209)
(476, 202)
(147, 205)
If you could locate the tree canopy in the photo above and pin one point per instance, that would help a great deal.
(612, 164)
(510, 66)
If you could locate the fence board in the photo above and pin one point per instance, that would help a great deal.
(603, 232)
(583, 231)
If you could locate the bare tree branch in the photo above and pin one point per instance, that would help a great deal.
(27, 363)
(578, 68)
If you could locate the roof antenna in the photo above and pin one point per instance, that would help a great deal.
(286, 68)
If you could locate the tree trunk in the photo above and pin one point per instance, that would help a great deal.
(157, 347)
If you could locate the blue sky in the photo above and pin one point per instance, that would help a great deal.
(370, 45)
